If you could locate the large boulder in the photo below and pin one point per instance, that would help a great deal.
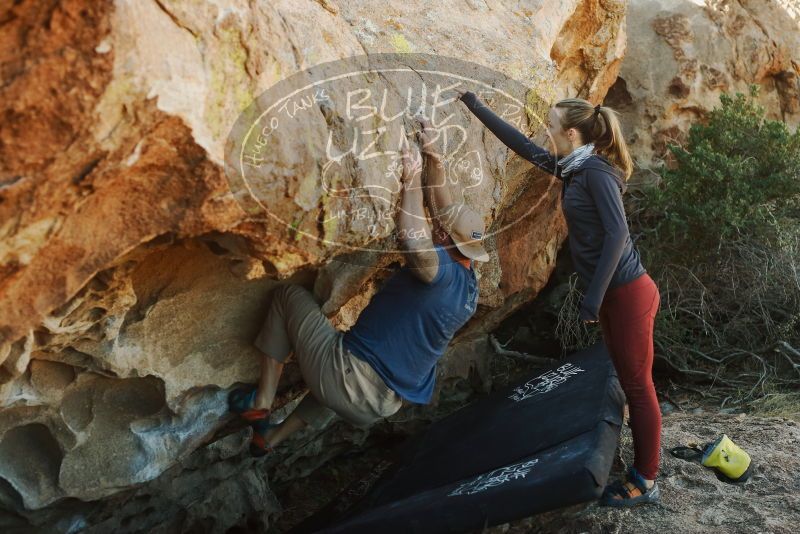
(684, 54)
(133, 278)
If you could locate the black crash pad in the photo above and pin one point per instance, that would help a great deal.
(542, 444)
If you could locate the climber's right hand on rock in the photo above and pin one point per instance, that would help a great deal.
(424, 137)
(412, 165)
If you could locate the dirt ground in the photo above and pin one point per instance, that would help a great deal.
(692, 499)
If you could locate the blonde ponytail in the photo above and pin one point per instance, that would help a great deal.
(603, 129)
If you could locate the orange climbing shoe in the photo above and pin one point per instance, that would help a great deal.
(258, 444)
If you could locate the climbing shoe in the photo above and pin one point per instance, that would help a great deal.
(630, 492)
(258, 443)
(241, 400)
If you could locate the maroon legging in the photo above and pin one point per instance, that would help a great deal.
(627, 316)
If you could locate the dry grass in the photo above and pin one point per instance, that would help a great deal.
(731, 322)
(778, 405)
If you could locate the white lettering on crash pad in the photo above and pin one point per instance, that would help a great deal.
(494, 478)
(545, 382)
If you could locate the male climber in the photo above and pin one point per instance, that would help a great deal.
(391, 352)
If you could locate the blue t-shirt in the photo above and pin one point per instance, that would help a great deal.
(407, 325)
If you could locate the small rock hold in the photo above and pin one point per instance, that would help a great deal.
(104, 47)
(329, 6)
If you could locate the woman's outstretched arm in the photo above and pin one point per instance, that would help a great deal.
(511, 137)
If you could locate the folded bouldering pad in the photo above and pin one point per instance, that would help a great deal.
(542, 444)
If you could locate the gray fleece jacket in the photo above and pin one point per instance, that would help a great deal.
(599, 240)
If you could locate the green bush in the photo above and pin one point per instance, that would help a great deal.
(736, 174)
(720, 234)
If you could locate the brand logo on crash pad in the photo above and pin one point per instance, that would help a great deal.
(545, 383)
(494, 478)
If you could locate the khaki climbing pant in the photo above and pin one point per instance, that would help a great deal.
(338, 381)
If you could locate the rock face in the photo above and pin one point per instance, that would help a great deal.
(132, 280)
(687, 53)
